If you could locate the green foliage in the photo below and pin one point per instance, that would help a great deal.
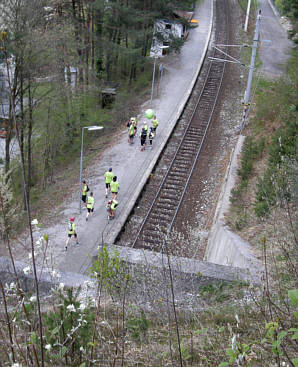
(137, 325)
(8, 205)
(68, 326)
(109, 270)
(275, 338)
(220, 290)
(184, 350)
(241, 221)
(278, 182)
(288, 7)
(252, 151)
(293, 295)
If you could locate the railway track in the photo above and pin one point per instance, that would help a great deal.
(160, 217)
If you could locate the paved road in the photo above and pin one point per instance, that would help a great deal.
(273, 55)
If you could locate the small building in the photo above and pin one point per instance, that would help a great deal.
(108, 93)
(164, 29)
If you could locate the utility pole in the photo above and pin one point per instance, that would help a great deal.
(247, 16)
(251, 68)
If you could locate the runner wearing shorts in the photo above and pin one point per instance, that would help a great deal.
(90, 206)
(143, 137)
(108, 179)
(114, 187)
(71, 231)
(85, 189)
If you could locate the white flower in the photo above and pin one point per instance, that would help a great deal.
(34, 222)
(71, 308)
(233, 342)
(27, 270)
(38, 243)
(88, 283)
(82, 306)
(33, 299)
(10, 287)
(30, 255)
(48, 347)
(82, 349)
(55, 274)
(61, 286)
(16, 365)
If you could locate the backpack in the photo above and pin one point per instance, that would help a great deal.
(144, 133)
(70, 226)
(87, 188)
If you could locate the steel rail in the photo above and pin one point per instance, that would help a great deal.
(166, 175)
(171, 164)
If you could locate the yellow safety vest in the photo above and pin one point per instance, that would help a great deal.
(71, 228)
(85, 187)
(90, 202)
(155, 123)
(109, 176)
(114, 204)
(114, 186)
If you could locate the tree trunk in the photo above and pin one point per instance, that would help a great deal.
(29, 136)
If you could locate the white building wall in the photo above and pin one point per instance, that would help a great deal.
(166, 28)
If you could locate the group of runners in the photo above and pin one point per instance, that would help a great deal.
(112, 186)
(145, 133)
(111, 182)
(88, 202)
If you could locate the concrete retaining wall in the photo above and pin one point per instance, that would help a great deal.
(48, 278)
(224, 246)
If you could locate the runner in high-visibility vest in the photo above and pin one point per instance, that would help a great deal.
(71, 231)
(151, 136)
(131, 133)
(85, 189)
(114, 187)
(90, 205)
(135, 125)
(145, 127)
(108, 179)
(143, 137)
(155, 124)
(111, 207)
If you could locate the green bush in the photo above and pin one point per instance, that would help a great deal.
(278, 182)
(138, 326)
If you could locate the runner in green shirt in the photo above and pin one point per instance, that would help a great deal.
(114, 187)
(108, 179)
(155, 124)
(131, 133)
(90, 205)
(85, 189)
(71, 232)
